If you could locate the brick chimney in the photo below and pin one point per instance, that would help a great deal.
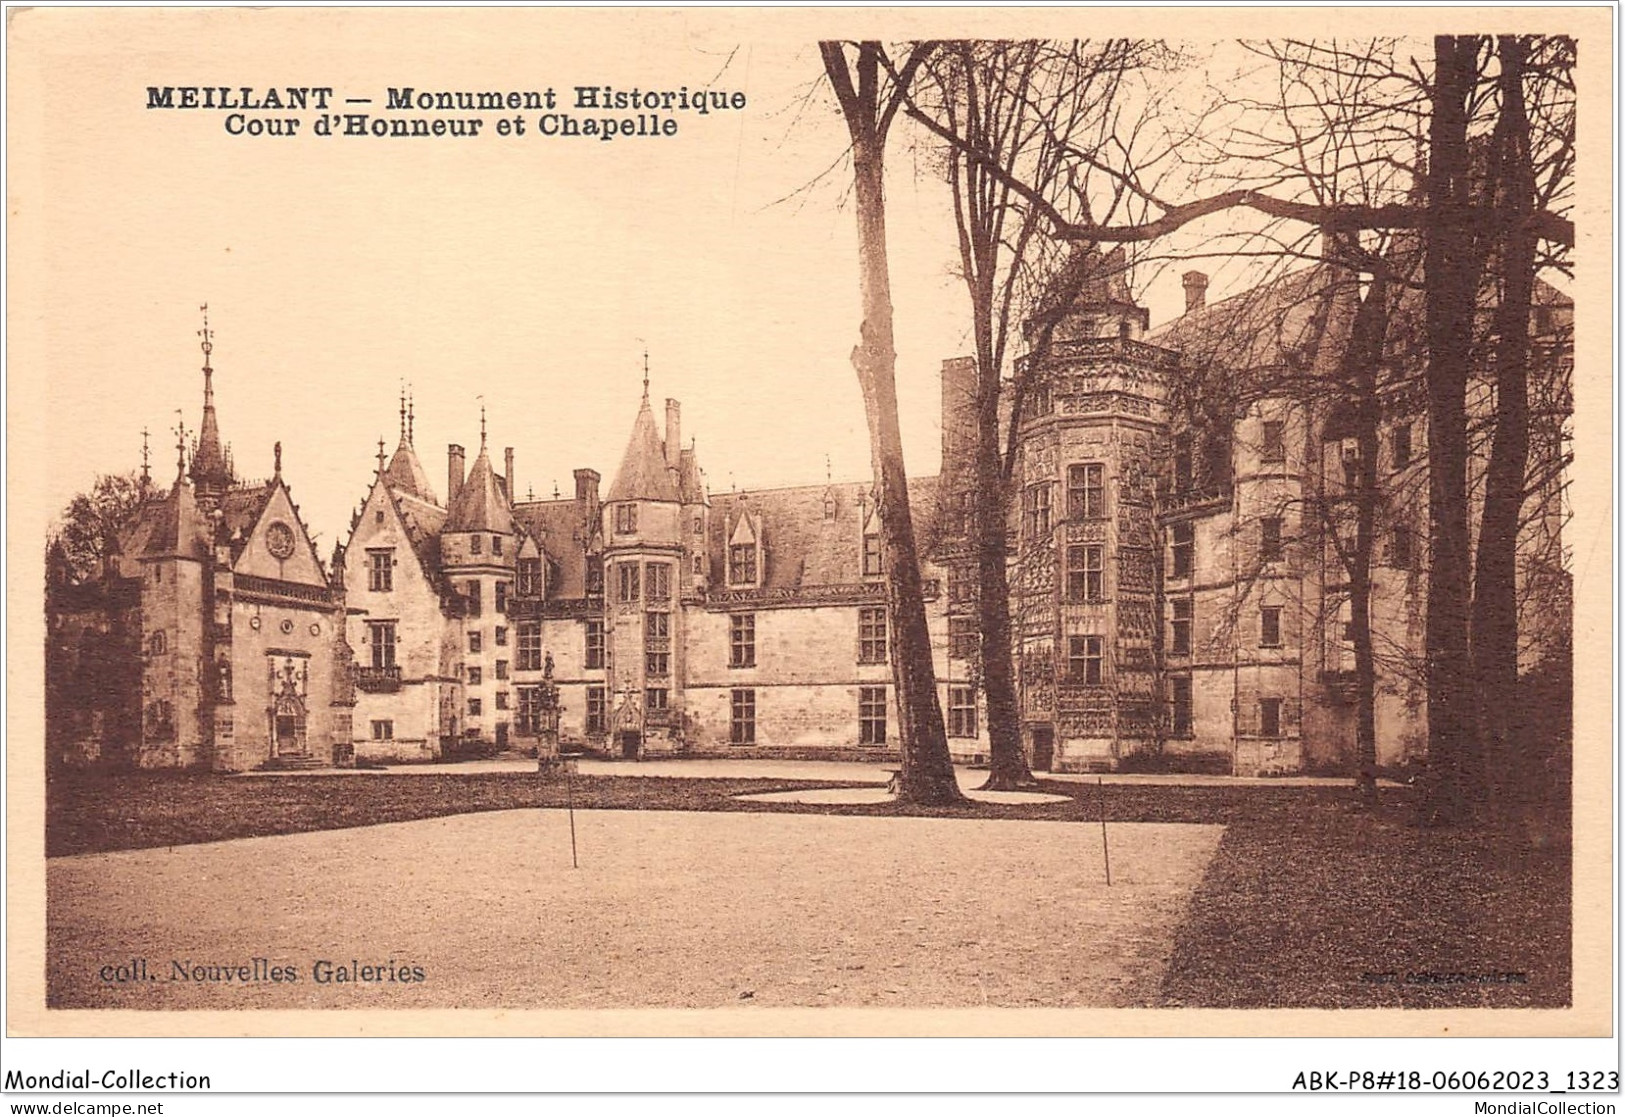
(587, 487)
(507, 475)
(454, 472)
(1195, 290)
(674, 432)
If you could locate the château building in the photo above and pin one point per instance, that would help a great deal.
(1178, 547)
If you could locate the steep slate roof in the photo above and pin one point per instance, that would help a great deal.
(480, 504)
(174, 525)
(800, 547)
(406, 474)
(561, 531)
(423, 523)
(644, 474)
(1279, 325)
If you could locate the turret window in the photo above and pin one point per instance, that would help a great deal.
(1269, 543)
(496, 545)
(626, 581)
(1184, 550)
(1036, 510)
(626, 519)
(1085, 572)
(476, 544)
(1086, 491)
(659, 581)
(1085, 659)
(502, 598)
(1182, 619)
(1274, 448)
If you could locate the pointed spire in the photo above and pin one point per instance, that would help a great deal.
(210, 473)
(180, 449)
(403, 413)
(482, 422)
(410, 418)
(380, 455)
(146, 460)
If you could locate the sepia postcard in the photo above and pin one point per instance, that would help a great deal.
(757, 522)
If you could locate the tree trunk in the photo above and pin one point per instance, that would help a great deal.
(926, 774)
(1007, 760)
(1452, 275)
(1495, 585)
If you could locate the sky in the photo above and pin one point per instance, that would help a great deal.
(525, 273)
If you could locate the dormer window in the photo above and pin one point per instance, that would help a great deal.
(530, 577)
(626, 519)
(742, 564)
(873, 566)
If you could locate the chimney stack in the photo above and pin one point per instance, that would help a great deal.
(674, 432)
(587, 487)
(1195, 290)
(507, 475)
(454, 472)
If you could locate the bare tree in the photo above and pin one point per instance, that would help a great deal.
(869, 91)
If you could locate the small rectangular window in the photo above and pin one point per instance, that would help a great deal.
(595, 709)
(656, 698)
(383, 730)
(496, 545)
(1085, 491)
(872, 634)
(1036, 511)
(474, 642)
(657, 582)
(1269, 717)
(964, 638)
(476, 545)
(1269, 544)
(474, 707)
(872, 715)
(382, 636)
(961, 711)
(502, 597)
(742, 717)
(1270, 626)
(476, 676)
(530, 646)
(1183, 616)
(1085, 572)
(1085, 659)
(742, 640)
(1184, 550)
(595, 645)
(873, 563)
(381, 571)
(1179, 699)
(626, 519)
(657, 664)
(471, 594)
(502, 700)
(1274, 447)
(502, 669)
(1402, 445)
(742, 564)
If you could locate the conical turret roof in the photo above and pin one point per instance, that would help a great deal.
(480, 504)
(406, 473)
(644, 473)
(209, 470)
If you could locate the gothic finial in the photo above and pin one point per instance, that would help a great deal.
(380, 457)
(208, 337)
(403, 411)
(410, 418)
(146, 468)
(555, 489)
(180, 443)
(829, 475)
(277, 450)
(482, 420)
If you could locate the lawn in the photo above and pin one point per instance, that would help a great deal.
(1303, 901)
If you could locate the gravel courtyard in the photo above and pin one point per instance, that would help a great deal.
(668, 909)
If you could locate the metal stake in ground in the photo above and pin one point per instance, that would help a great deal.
(570, 805)
(1105, 850)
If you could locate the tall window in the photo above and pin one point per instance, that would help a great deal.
(1085, 659)
(657, 644)
(742, 717)
(1269, 542)
(1274, 448)
(961, 711)
(626, 581)
(471, 594)
(476, 544)
(475, 644)
(1036, 509)
(595, 709)
(1086, 572)
(1181, 642)
(1269, 635)
(496, 545)
(502, 636)
(658, 581)
(1269, 717)
(381, 571)
(529, 718)
(530, 583)
(873, 563)
(626, 519)
(742, 640)
(595, 645)
(530, 646)
(502, 700)
(1184, 478)
(502, 669)
(964, 639)
(1179, 699)
(1184, 550)
(502, 597)
(475, 707)
(742, 564)
(872, 634)
(872, 715)
(1402, 445)
(382, 636)
(595, 575)
(961, 584)
(1085, 491)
